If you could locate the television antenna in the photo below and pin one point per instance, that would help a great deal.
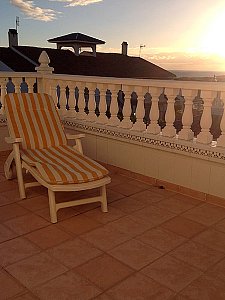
(141, 46)
(17, 22)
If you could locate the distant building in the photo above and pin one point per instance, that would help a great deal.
(25, 59)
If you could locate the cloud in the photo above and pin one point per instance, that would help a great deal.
(78, 2)
(34, 12)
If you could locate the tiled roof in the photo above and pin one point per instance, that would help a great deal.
(104, 64)
(15, 61)
(76, 37)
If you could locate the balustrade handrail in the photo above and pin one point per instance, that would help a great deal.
(171, 108)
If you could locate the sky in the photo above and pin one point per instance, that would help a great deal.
(175, 34)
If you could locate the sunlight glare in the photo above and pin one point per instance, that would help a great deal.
(213, 41)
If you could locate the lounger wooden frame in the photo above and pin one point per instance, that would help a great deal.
(53, 206)
(40, 146)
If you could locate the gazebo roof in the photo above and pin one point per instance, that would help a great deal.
(76, 38)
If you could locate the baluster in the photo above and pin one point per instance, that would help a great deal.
(139, 124)
(3, 93)
(63, 100)
(30, 84)
(53, 91)
(81, 115)
(205, 137)
(197, 110)
(126, 122)
(17, 83)
(186, 133)
(102, 119)
(113, 121)
(153, 127)
(221, 139)
(169, 129)
(91, 117)
(179, 106)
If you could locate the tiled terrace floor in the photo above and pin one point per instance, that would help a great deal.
(152, 244)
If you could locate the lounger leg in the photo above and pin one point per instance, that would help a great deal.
(8, 166)
(52, 206)
(19, 173)
(104, 199)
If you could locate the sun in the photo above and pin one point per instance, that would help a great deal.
(213, 37)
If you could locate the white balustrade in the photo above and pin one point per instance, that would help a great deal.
(139, 124)
(221, 139)
(102, 119)
(113, 121)
(205, 136)
(91, 116)
(186, 133)
(153, 127)
(169, 130)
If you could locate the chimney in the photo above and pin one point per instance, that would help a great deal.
(13, 37)
(124, 48)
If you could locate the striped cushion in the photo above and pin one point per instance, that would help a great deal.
(63, 165)
(34, 118)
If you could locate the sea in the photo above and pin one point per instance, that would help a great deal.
(191, 73)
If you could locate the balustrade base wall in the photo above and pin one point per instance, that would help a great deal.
(198, 172)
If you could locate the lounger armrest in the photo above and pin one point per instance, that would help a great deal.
(11, 140)
(75, 136)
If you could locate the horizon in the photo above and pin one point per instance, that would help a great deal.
(175, 35)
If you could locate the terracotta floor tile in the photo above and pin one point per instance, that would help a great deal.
(79, 224)
(205, 288)
(9, 287)
(178, 205)
(49, 236)
(152, 215)
(197, 255)
(104, 218)
(184, 227)
(128, 205)
(212, 238)
(62, 214)
(171, 272)
(104, 271)
(6, 198)
(117, 179)
(6, 234)
(161, 239)
(15, 250)
(218, 271)
(189, 199)
(135, 254)
(35, 203)
(129, 227)
(36, 269)
(67, 286)
(148, 197)
(164, 192)
(127, 189)
(220, 226)
(140, 287)
(8, 186)
(112, 195)
(103, 296)
(105, 238)
(11, 211)
(140, 184)
(74, 252)
(26, 296)
(206, 214)
(27, 223)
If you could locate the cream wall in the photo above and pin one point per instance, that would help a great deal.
(187, 170)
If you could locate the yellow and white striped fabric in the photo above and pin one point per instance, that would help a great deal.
(35, 118)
